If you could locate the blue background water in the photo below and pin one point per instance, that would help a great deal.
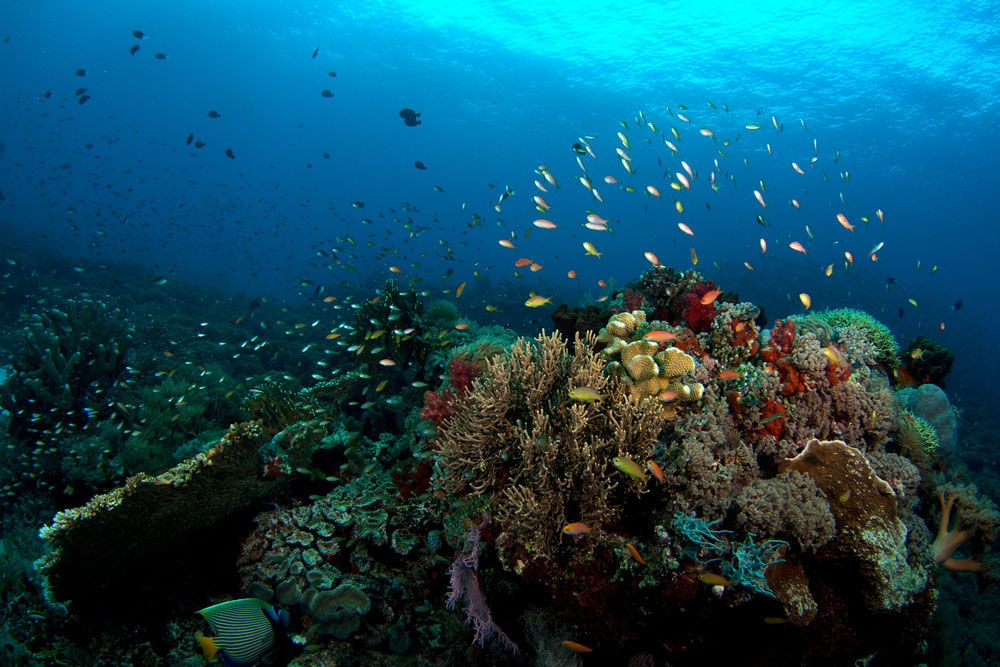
(907, 91)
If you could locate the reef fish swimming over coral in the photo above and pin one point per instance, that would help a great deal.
(245, 630)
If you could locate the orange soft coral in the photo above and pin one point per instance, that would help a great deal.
(976, 519)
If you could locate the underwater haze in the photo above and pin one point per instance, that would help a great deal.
(236, 172)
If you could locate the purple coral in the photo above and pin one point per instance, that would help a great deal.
(465, 584)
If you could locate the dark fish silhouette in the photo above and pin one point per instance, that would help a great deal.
(315, 52)
(230, 154)
(199, 144)
(331, 74)
(419, 165)
(578, 148)
(189, 140)
(47, 94)
(80, 91)
(83, 99)
(958, 305)
(213, 113)
(161, 56)
(138, 34)
(135, 47)
(81, 72)
(409, 117)
(326, 93)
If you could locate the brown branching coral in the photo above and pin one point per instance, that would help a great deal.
(541, 459)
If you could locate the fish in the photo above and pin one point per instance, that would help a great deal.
(728, 374)
(684, 228)
(138, 34)
(651, 258)
(652, 190)
(714, 579)
(326, 92)
(506, 243)
(571, 274)
(770, 418)
(230, 154)
(576, 646)
(957, 305)
(635, 553)
(683, 180)
(752, 126)
(842, 219)
(878, 246)
(659, 336)
(420, 165)
(246, 630)
(462, 326)
(131, 51)
(387, 362)
(797, 247)
(585, 394)
(797, 168)
(161, 56)
(534, 301)
(710, 297)
(806, 300)
(523, 261)
(576, 528)
(848, 256)
(591, 250)
(540, 201)
(212, 113)
(630, 468)
(544, 224)
(409, 117)
(459, 290)
(315, 52)
(694, 257)
(760, 197)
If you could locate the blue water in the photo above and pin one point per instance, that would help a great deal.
(907, 93)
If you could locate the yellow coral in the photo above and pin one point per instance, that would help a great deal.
(637, 348)
(614, 347)
(641, 367)
(645, 388)
(674, 362)
(687, 392)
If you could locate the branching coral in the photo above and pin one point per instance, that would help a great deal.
(540, 459)
(68, 355)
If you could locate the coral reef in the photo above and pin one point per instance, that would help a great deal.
(876, 333)
(68, 355)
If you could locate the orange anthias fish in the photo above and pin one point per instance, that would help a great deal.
(576, 528)
(651, 258)
(576, 646)
(635, 553)
(523, 261)
(842, 219)
(659, 336)
(710, 297)
(655, 468)
(797, 247)
(728, 374)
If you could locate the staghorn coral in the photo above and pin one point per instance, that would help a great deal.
(540, 459)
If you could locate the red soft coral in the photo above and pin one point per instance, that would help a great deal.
(776, 425)
(437, 407)
(460, 375)
(697, 315)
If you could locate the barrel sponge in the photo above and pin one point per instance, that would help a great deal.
(877, 333)
(637, 348)
(674, 362)
(641, 367)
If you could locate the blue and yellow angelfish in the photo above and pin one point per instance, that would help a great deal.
(245, 630)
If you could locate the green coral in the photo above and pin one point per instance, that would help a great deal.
(917, 439)
(877, 333)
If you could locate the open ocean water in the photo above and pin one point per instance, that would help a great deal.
(201, 205)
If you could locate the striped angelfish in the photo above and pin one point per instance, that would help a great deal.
(245, 630)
